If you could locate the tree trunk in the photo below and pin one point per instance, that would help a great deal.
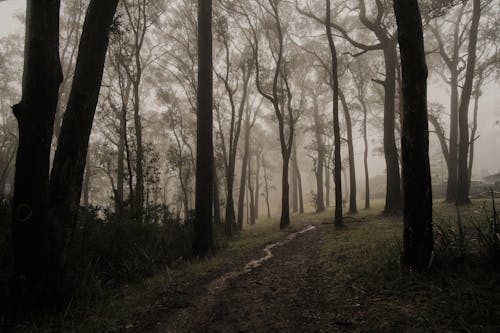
(477, 95)
(365, 156)
(418, 235)
(353, 209)
(299, 181)
(285, 195)
(327, 185)
(393, 192)
(33, 286)
(122, 136)
(217, 215)
(244, 166)
(266, 187)
(251, 205)
(320, 202)
(463, 111)
(295, 192)
(69, 161)
(257, 185)
(203, 237)
(336, 128)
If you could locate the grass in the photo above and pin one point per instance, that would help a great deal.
(362, 265)
(126, 307)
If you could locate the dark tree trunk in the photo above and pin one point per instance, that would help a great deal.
(477, 95)
(285, 195)
(418, 235)
(33, 285)
(266, 187)
(327, 185)
(251, 203)
(203, 237)
(298, 176)
(295, 192)
(365, 156)
(320, 202)
(257, 185)
(69, 161)
(217, 215)
(463, 111)
(353, 209)
(244, 166)
(336, 129)
(393, 192)
(120, 174)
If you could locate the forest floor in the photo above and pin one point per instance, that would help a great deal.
(311, 278)
(324, 280)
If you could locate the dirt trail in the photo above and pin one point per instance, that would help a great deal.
(280, 292)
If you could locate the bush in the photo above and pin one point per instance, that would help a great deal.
(106, 253)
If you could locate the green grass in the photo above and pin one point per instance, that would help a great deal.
(362, 266)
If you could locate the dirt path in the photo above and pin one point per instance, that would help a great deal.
(283, 293)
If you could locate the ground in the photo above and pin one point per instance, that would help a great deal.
(312, 277)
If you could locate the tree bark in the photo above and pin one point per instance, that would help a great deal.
(33, 286)
(336, 128)
(327, 184)
(365, 156)
(295, 192)
(203, 234)
(418, 235)
(266, 187)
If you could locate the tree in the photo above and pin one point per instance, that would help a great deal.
(418, 235)
(278, 91)
(203, 239)
(336, 129)
(69, 161)
(31, 229)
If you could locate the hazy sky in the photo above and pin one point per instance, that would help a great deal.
(487, 146)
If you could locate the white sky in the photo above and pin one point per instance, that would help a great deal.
(487, 159)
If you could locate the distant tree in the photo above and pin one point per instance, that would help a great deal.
(203, 238)
(418, 235)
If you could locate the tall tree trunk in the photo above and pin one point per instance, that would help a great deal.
(327, 185)
(477, 95)
(31, 230)
(266, 187)
(251, 205)
(353, 209)
(418, 235)
(69, 161)
(203, 234)
(393, 192)
(295, 192)
(244, 166)
(336, 128)
(320, 202)
(217, 215)
(463, 111)
(257, 185)
(285, 195)
(299, 180)
(139, 158)
(120, 173)
(365, 156)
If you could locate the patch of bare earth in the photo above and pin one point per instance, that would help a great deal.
(285, 293)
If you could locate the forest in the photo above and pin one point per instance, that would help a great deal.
(249, 166)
